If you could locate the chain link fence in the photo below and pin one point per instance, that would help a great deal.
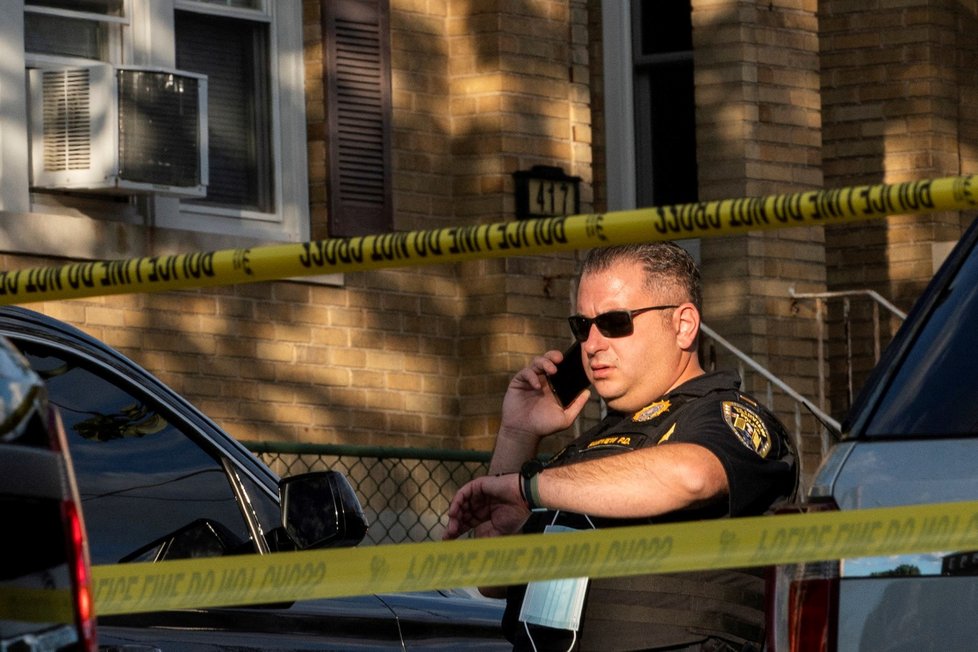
(405, 492)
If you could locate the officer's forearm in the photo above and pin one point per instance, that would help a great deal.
(513, 448)
(638, 484)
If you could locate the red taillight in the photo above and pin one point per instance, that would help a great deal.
(81, 576)
(813, 615)
(803, 604)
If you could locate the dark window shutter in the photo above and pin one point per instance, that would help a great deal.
(356, 66)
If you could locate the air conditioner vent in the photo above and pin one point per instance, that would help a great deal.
(67, 144)
(122, 130)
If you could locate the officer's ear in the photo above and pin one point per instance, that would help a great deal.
(687, 322)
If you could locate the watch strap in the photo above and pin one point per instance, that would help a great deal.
(529, 485)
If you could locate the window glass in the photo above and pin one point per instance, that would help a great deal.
(62, 36)
(233, 54)
(143, 482)
(665, 109)
(665, 27)
(237, 4)
(266, 509)
(105, 7)
(251, 53)
(59, 28)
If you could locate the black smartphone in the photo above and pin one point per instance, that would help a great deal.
(570, 379)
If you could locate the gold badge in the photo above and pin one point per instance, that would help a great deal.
(650, 412)
(748, 427)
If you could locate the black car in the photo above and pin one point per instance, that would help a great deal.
(911, 438)
(45, 578)
(159, 480)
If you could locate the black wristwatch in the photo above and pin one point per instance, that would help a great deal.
(528, 485)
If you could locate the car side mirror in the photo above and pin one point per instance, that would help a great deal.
(200, 538)
(320, 510)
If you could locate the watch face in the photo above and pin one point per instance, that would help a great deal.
(531, 468)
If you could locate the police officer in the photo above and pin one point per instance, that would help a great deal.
(677, 444)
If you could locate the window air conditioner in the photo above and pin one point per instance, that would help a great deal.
(120, 130)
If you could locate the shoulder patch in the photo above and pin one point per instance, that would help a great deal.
(748, 426)
(652, 411)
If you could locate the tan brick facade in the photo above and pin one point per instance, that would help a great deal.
(758, 133)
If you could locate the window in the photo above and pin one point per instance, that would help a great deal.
(131, 460)
(233, 53)
(665, 112)
(71, 29)
(251, 52)
(649, 103)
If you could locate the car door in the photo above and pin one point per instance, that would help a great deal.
(154, 485)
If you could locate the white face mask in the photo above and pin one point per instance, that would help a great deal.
(555, 603)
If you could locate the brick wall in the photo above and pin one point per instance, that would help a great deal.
(758, 133)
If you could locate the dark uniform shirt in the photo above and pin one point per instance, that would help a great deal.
(658, 611)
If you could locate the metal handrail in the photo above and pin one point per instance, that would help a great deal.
(875, 296)
(820, 303)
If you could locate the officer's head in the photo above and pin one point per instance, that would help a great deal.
(638, 317)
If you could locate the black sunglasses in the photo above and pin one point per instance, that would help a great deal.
(616, 323)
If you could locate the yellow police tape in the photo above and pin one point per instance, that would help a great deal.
(615, 552)
(454, 244)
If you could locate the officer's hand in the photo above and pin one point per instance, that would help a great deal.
(529, 405)
(491, 505)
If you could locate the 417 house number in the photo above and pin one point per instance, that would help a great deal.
(549, 197)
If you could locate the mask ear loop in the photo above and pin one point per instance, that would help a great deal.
(529, 637)
(526, 625)
(553, 521)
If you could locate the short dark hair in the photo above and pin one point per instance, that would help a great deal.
(667, 267)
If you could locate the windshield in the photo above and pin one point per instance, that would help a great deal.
(934, 391)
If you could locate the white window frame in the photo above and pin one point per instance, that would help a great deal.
(616, 36)
(619, 104)
(289, 173)
(148, 41)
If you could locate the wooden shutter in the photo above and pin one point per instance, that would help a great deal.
(356, 53)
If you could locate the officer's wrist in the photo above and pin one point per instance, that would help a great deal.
(530, 485)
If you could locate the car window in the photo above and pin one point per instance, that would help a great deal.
(149, 491)
(932, 392)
